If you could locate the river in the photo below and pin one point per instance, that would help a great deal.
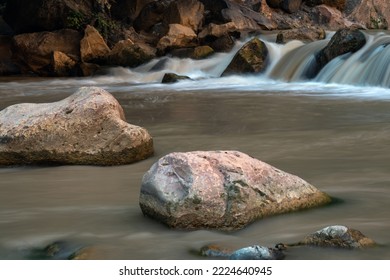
(334, 135)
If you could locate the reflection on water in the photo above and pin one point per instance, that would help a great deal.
(335, 137)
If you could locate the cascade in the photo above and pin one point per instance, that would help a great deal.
(291, 62)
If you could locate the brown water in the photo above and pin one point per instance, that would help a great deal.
(335, 137)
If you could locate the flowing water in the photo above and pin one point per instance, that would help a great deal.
(332, 131)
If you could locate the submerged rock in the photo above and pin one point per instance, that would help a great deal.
(189, 13)
(88, 127)
(257, 252)
(338, 236)
(224, 190)
(289, 6)
(215, 251)
(251, 58)
(58, 250)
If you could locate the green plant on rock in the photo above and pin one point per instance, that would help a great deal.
(104, 25)
(76, 20)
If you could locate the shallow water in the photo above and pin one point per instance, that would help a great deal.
(334, 136)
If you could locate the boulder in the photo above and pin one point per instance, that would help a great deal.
(63, 65)
(338, 236)
(373, 14)
(224, 43)
(26, 16)
(7, 66)
(304, 34)
(345, 13)
(199, 52)
(217, 30)
(35, 50)
(87, 128)
(93, 48)
(257, 252)
(128, 10)
(242, 15)
(88, 69)
(338, 4)
(202, 52)
(289, 6)
(170, 78)
(331, 18)
(224, 190)
(219, 36)
(189, 13)
(343, 41)
(150, 15)
(251, 58)
(178, 36)
(129, 54)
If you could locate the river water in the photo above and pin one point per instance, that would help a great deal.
(335, 136)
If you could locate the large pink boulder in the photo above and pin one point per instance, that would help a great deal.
(222, 190)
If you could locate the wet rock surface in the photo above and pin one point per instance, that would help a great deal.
(251, 58)
(88, 128)
(257, 252)
(170, 78)
(343, 41)
(57, 250)
(335, 236)
(225, 190)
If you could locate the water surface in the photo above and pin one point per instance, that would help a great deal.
(334, 136)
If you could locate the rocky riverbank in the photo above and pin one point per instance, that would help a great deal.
(77, 38)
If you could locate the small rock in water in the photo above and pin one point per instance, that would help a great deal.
(338, 236)
(170, 78)
(215, 251)
(257, 252)
(58, 250)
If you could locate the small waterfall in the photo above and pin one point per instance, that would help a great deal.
(296, 64)
(291, 62)
(368, 66)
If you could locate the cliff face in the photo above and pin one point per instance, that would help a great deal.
(149, 24)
